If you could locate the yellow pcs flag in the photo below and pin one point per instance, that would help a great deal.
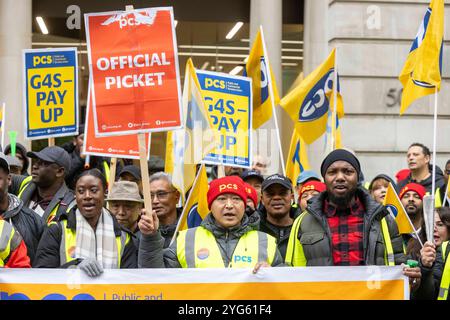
(187, 147)
(297, 160)
(258, 68)
(395, 208)
(196, 207)
(309, 103)
(421, 74)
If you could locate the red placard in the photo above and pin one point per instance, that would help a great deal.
(124, 146)
(133, 62)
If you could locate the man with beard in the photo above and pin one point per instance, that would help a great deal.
(344, 226)
(276, 212)
(411, 197)
(45, 193)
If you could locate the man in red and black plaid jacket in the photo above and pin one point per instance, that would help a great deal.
(343, 226)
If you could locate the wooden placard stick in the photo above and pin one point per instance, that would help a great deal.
(144, 173)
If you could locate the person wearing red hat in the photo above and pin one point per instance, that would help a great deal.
(225, 239)
(309, 190)
(411, 196)
(252, 197)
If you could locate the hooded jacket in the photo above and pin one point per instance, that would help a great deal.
(427, 183)
(279, 233)
(152, 255)
(48, 253)
(27, 222)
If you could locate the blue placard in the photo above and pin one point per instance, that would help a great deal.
(50, 82)
(229, 102)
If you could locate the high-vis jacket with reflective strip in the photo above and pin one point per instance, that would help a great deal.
(10, 241)
(58, 244)
(445, 281)
(197, 248)
(61, 199)
(310, 243)
(69, 242)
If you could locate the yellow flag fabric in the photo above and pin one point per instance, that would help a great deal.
(196, 207)
(297, 160)
(258, 68)
(421, 73)
(187, 147)
(309, 103)
(395, 208)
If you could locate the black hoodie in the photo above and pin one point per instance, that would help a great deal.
(427, 183)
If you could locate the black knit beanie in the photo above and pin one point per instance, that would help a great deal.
(338, 155)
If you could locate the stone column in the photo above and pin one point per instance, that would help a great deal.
(15, 35)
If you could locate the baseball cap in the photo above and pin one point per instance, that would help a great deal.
(276, 179)
(306, 175)
(124, 191)
(133, 170)
(247, 174)
(53, 154)
(13, 161)
(4, 162)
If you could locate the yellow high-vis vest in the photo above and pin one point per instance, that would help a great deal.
(69, 243)
(445, 281)
(296, 257)
(8, 241)
(197, 248)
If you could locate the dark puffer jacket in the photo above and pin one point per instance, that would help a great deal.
(279, 233)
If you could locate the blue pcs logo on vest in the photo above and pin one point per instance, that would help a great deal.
(316, 103)
(203, 253)
(247, 259)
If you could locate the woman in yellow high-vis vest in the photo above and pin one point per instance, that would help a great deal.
(226, 238)
(87, 235)
(441, 267)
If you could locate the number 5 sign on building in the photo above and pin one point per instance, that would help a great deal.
(133, 62)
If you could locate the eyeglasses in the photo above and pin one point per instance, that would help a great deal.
(162, 195)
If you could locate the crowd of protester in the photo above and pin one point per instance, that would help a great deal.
(60, 214)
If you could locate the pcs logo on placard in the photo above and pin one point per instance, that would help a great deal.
(42, 60)
(316, 103)
(215, 83)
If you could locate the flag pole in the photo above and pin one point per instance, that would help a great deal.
(181, 219)
(433, 183)
(333, 115)
(275, 118)
(3, 126)
(406, 214)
